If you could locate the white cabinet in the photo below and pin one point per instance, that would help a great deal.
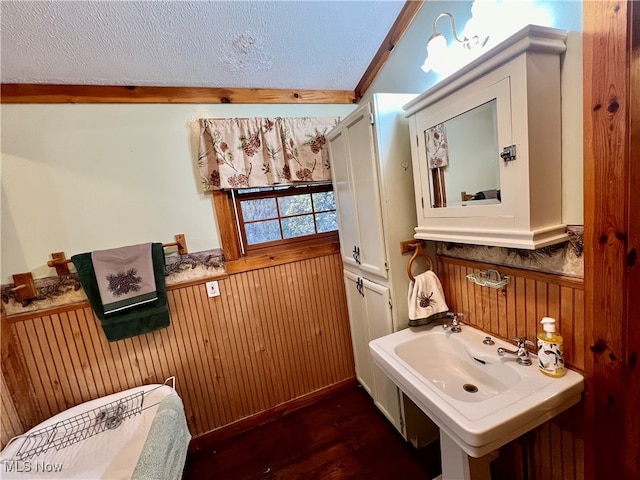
(373, 186)
(370, 317)
(486, 147)
(357, 194)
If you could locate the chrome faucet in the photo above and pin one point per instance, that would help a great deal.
(522, 353)
(454, 326)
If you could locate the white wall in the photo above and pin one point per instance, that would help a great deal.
(77, 178)
(402, 73)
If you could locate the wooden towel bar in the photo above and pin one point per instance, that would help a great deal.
(61, 263)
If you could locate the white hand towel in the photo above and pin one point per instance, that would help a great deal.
(426, 299)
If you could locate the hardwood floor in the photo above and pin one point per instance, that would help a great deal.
(341, 437)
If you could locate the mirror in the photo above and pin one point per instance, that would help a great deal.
(463, 159)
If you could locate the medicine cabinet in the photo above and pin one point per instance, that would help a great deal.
(486, 147)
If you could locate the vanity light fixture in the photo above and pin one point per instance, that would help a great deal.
(437, 54)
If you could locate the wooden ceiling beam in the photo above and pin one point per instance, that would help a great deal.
(46, 93)
(406, 16)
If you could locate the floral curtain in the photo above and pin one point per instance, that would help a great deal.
(437, 147)
(260, 152)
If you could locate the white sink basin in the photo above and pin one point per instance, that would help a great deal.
(450, 366)
(479, 399)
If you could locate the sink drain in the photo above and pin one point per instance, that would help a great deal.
(470, 388)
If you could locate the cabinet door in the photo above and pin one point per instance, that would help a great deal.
(460, 119)
(359, 331)
(379, 319)
(370, 318)
(366, 191)
(342, 191)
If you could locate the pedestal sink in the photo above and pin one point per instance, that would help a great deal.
(479, 400)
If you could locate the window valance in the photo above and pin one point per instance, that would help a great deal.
(260, 152)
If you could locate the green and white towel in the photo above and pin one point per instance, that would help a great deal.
(426, 300)
(145, 318)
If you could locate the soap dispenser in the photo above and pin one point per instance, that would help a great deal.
(550, 358)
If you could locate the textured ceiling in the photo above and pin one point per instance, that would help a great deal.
(235, 44)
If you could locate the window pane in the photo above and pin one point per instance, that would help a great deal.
(301, 212)
(298, 226)
(326, 222)
(259, 209)
(323, 201)
(260, 232)
(294, 205)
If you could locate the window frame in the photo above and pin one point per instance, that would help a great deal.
(237, 261)
(282, 243)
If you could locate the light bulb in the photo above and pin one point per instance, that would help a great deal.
(436, 53)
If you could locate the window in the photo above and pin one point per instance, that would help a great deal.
(278, 218)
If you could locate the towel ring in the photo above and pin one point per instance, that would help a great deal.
(418, 252)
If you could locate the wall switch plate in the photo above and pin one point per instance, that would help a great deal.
(213, 290)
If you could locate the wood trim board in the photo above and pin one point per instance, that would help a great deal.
(399, 27)
(49, 93)
(611, 52)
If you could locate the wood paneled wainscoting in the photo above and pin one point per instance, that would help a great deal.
(274, 336)
(556, 448)
(11, 422)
